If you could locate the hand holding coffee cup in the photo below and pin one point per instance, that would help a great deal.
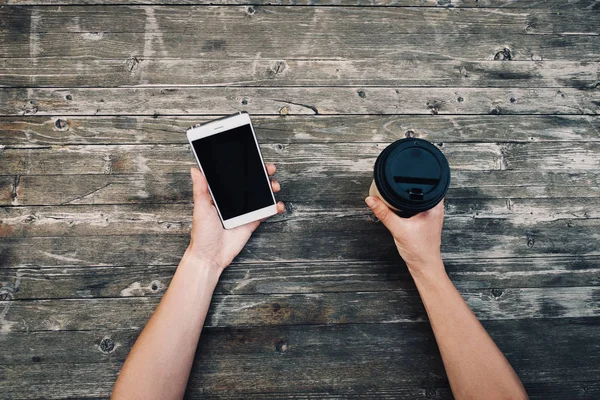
(418, 239)
(411, 178)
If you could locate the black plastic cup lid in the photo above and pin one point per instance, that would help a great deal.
(412, 175)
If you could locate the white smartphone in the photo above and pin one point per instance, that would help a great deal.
(228, 154)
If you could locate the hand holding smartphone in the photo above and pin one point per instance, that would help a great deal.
(229, 156)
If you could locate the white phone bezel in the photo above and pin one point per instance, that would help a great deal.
(220, 126)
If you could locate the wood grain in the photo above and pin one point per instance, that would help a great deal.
(238, 21)
(65, 72)
(309, 43)
(359, 239)
(299, 309)
(305, 101)
(160, 189)
(395, 360)
(36, 131)
(175, 219)
(545, 4)
(95, 195)
(302, 159)
(31, 283)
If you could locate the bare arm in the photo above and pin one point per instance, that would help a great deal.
(476, 368)
(159, 364)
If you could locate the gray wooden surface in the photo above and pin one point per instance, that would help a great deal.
(95, 196)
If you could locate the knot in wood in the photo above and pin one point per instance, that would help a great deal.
(494, 110)
(244, 102)
(36, 359)
(532, 23)
(132, 64)
(503, 55)
(497, 293)
(250, 10)
(30, 108)
(460, 99)
(509, 204)
(277, 68)
(281, 346)
(69, 97)
(107, 345)
(289, 207)
(361, 94)
(5, 296)
(61, 124)
(434, 105)
(530, 242)
(431, 393)
(410, 134)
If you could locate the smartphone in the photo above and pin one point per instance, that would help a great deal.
(229, 156)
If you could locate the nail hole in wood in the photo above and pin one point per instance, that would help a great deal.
(281, 346)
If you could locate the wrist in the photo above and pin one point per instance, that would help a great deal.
(428, 271)
(192, 262)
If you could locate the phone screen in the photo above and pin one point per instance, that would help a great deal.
(233, 168)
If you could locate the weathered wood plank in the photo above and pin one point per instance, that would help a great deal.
(353, 240)
(305, 101)
(175, 219)
(299, 309)
(310, 42)
(353, 186)
(239, 21)
(38, 131)
(65, 72)
(301, 159)
(334, 361)
(547, 4)
(29, 283)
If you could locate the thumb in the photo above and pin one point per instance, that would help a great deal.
(383, 213)
(199, 187)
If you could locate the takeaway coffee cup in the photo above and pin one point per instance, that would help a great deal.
(410, 176)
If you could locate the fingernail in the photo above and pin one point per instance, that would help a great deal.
(370, 202)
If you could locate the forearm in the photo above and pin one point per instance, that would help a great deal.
(476, 368)
(159, 363)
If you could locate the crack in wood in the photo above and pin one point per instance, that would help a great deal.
(87, 194)
(313, 108)
(15, 190)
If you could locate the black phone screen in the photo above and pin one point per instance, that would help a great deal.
(233, 168)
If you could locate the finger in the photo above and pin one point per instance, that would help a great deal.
(271, 169)
(200, 187)
(280, 207)
(383, 213)
(275, 186)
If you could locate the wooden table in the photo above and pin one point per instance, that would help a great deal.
(96, 196)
